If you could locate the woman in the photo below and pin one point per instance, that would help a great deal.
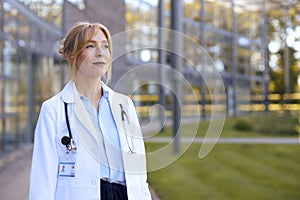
(88, 142)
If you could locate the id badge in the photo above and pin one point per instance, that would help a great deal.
(67, 169)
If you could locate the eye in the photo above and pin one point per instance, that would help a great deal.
(105, 46)
(89, 46)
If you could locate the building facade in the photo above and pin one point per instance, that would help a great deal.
(30, 69)
(232, 32)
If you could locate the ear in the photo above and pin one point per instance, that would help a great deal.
(69, 57)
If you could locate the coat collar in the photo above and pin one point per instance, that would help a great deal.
(67, 92)
(69, 89)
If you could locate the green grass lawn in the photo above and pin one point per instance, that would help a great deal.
(231, 171)
(234, 171)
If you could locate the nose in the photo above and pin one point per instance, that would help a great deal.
(102, 50)
(99, 51)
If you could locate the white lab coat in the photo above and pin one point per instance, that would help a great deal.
(46, 184)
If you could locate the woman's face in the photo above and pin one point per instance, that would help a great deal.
(94, 59)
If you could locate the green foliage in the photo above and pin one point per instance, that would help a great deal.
(276, 25)
(242, 125)
(284, 123)
(256, 124)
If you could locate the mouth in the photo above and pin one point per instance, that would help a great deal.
(99, 63)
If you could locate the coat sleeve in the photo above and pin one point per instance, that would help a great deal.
(44, 167)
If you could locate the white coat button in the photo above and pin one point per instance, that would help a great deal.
(94, 182)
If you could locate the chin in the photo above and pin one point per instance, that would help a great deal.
(102, 74)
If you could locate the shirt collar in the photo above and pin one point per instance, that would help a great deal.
(105, 92)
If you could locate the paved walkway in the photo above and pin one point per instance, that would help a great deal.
(14, 173)
(247, 140)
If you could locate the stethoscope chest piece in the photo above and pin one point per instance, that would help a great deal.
(69, 143)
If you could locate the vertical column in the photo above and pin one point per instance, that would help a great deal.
(202, 62)
(176, 62)
(64, 25)
(287, 59)
(2, 142)
(19, 136)
(64, 31)
(161, 61)
(31, 101)
(234, 61)
(1, 17)
(264, 55)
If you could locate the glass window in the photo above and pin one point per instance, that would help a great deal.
(23, 79)
(44, 73)
(21, 39)
(9, 59)
(23, 31)
(10, 20)
(243, 60)
(40, 39)
(1, 135)
(1, 12)
(23, 124)
(1, 97)
(60, 68)
(141, 14)
(23, 94)
(34, 35)
(10, 133)
(1, 58)
(50, 10)
(79, 3)
(10, 96)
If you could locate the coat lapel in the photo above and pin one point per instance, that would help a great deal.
(133, 165)
(83, 125)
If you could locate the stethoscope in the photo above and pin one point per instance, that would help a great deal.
(65, 140)
(70, 143)
(123, 115)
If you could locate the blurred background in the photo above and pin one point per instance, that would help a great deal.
(254, 45)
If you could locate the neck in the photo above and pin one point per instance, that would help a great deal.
(91, 89)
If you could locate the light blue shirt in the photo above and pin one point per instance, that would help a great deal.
(111, 167)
